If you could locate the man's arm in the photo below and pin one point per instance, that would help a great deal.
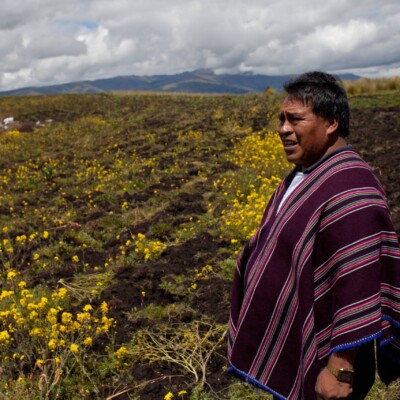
(328, 386)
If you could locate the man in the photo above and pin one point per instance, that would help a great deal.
(319, 282)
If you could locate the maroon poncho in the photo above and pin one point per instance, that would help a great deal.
(320, 276)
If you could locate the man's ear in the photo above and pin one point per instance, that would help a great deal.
(332, 126)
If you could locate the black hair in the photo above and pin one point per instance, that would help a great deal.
(326, 95)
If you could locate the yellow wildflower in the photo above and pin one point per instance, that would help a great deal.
(22, 284)
(121, 352)
(6, 293)
(52, 344)
(66, 318)
(42, 303)
(36, 332)
(169, 396)
(52, 316)
(60, 294)
(21, 239)
(104, 307)
(88, 341)
(4, 337)
(74, 348)
(81, 317)
(12, 274)
(33, 315)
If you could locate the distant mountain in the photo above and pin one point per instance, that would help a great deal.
(198, 81)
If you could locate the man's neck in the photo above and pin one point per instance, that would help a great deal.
(339, 143)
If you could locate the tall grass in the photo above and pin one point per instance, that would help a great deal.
(369, 86)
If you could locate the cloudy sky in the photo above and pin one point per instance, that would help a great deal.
(45, 42)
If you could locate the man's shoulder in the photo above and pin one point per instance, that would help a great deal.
(346, 161)
(345, 171)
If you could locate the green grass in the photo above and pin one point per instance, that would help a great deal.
(389, 99)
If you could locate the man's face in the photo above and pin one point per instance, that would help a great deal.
(305, 136)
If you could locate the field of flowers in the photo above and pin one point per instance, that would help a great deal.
(121, 217)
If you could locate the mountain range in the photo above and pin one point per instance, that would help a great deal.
(198, 81)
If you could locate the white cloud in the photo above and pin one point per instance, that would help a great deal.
(343, 39)
(52, 41)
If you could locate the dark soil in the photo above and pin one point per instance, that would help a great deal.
(375, 133)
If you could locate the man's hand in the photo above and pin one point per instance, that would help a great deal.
(328, 387)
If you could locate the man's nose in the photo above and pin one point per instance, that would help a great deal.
(285, 127)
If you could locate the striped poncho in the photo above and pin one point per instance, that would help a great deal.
(319, 276)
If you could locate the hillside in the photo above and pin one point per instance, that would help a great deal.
(199, 81)
(120, 220)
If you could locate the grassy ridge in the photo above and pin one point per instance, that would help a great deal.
(120, 223)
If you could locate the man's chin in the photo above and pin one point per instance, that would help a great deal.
(293, 159)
